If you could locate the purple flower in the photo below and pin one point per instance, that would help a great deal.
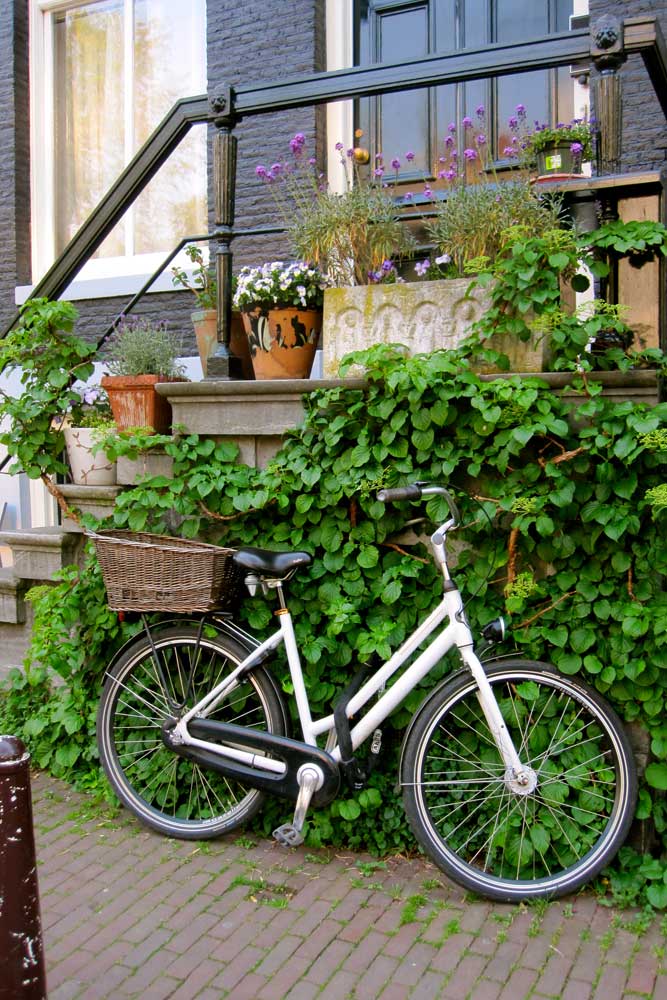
(387, 266)
(442, 175)
(378, 156)
(409, 156)
(260, 170)
(396, 163)
(509, 151)
(339, 146)
(300, 138)
(408, 196)
(427, 191)
(470, 154)
(350, 153)
(296, 147)
(479, 111)
(276, 168)
(443, 259)
(421, 267)
(451, 174)
(451, 127)
(378, 172)
(467, 122)
(576, 148)
(480, 139)
(449, 141)
(513, 122)
(521, 110)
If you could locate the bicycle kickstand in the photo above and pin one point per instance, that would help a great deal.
(310, 778)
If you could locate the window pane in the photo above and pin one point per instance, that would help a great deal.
(404, 117)
(169, 43)
(88, 108)
(114, 83)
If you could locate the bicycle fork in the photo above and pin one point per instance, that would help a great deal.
(520, 778)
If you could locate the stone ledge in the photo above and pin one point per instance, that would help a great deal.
(41, 552)
(12, 605)
(96, 500)
(152, 463)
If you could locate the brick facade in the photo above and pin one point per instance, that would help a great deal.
(644, 126)
(253, 41)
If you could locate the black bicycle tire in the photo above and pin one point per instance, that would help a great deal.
(118, 680)
(441, 704)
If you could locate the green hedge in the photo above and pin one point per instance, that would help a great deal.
(565, 534)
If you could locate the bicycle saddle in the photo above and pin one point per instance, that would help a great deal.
(276, 564)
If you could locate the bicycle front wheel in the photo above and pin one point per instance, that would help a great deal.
(478, 825)
(169, 793)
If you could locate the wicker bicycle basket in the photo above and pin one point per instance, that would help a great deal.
(144, 572)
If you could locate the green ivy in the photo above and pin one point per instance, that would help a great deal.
(560, 534)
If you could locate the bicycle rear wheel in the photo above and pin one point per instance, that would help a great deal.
(169, 793)
(477, 825)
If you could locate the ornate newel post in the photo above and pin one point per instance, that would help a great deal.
(223, 364)
(607, 54)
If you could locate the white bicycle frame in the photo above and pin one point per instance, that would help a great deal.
(455, 634)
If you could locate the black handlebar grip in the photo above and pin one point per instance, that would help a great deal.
(399, 493)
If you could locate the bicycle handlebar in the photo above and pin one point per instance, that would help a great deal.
(417, 490)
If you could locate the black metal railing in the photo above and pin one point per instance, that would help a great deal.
(605, 46)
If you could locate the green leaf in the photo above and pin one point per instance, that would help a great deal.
(656, 776)
(349, 809)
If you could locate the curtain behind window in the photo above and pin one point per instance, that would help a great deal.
(119, 67)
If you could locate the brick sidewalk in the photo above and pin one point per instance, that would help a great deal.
(128, 913)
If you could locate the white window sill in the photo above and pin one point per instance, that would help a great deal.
(105, 287)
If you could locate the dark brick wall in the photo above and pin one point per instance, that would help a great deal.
(258, 42)
(249, 41)
(14, 152)
(644, 126)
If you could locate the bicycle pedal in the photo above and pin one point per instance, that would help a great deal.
(287, 835)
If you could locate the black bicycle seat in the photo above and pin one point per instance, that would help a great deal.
(275, 564)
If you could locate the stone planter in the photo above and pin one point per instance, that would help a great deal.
(88, 468)
(423, 316)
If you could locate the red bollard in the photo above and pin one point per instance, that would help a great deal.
(22, 974)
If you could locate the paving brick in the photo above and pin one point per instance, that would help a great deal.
(144, 918)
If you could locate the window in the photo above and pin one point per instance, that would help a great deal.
(392, 31)
(105, 73)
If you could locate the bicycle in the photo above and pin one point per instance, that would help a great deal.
(518, 782)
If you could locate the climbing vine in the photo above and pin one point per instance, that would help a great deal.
(564, 532)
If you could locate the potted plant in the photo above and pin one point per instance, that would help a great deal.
(281, 306)
(142, 353)
(85, 426)
(50, 357)
(201, 282)
(560, 150)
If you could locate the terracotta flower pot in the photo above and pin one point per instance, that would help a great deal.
(135, 403)
(283, 341)
(205, 325)
(87, 468)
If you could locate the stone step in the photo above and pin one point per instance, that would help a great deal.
(12, 590)
(40, 552)
(96, 500)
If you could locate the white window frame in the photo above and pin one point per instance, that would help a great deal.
(102, 277)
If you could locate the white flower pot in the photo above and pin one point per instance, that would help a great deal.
(87, 469)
